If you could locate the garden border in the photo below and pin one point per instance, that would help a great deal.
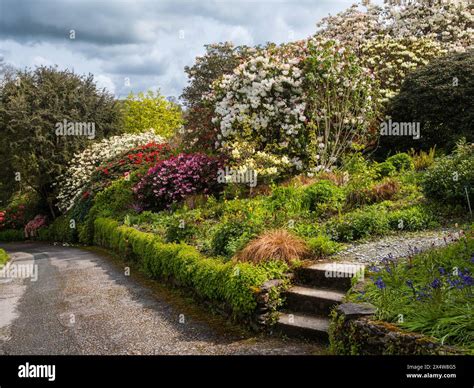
(354, 331)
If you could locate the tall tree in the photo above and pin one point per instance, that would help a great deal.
(218, 60)
(34, 104)
(143, 112)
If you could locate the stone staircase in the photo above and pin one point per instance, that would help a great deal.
(318, 288)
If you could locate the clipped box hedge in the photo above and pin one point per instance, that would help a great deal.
(12, 235)
(233, 284)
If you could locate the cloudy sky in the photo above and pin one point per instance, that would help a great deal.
(143, 44)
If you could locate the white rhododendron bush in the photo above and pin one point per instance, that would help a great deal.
(393, 40)
(72, 183)
(450, 23)
(259, 110)
(292, 107)
(391, 59)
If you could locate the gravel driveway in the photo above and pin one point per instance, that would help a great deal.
(83, 303)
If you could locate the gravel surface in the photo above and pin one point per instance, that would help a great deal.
(83, 303)
(400, 245)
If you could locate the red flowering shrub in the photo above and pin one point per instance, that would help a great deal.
(13, 217)
(176, 178)
(36, 223)
(140, 157)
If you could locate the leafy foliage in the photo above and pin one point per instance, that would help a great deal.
(29, 112)
(151, 111)
(233, 284)
(3, 258)
(439, 96)
(432, 292)
(451, 178)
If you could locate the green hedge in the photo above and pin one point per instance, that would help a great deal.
(12, 235)
(233, 284)
(59, 230)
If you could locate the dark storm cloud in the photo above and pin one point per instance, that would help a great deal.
(94, 22)
(147, 41)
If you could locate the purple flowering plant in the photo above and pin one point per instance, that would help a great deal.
(172, 180)
(433, 290)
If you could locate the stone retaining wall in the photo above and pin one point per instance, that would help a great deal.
(354, 331)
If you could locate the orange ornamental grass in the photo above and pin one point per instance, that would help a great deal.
(274, 245)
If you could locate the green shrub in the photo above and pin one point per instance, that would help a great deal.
(401, 162)
(233, 234)
(3, 257)
(362, 223)
(63, 229)
(183, 226)
(12, 235)
(285, 199)
(411, 219)
(116, 200)
(422, 160)
(323, 195)
(385, 169)
(450, 177)
(439, 96)
(229, 283)
(306, 229)
(322, 246)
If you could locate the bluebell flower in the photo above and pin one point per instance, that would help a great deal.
(380, 283)
(410, 283)
(436, 283)
(442, 271)
(467, 279)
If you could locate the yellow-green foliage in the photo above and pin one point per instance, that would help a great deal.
(3, 257)
(151, 110)
(392, 59)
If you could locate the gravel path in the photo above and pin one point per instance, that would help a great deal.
(83, 303)
(400, 245)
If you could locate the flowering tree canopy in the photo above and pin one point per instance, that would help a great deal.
(449, 23)
(391, 59)
(393, 40)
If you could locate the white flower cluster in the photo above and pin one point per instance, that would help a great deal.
(281, 101)
(263, 92)
(267, 165)
(451, 23)
(78, 174)
(392, 59)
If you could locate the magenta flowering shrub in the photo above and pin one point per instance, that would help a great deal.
(34, 225)
(172, 180)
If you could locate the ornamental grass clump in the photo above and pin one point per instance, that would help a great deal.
(274, 245)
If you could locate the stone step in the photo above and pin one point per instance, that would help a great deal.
(303, 326)
(312, 301)
(327, 275)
